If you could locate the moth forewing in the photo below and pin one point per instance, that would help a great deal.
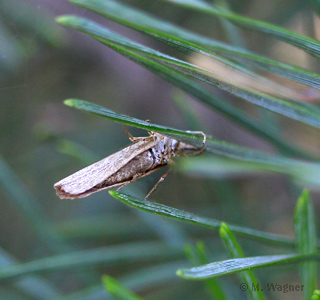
(81, 183)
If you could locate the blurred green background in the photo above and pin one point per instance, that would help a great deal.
(42, 141)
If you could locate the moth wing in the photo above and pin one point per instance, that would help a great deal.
(87, 178)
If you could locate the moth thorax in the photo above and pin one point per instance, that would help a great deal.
(164, 150)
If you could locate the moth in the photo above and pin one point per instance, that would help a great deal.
(145, 156)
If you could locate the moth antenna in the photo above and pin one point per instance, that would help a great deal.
(203, 143)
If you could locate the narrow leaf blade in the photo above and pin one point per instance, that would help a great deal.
(305, 43)
(197, 256)
(305, 232)
(138, 251)
(183, 82)
(234, 250)
(117, 290)
(174, 35)
(173, 213)
(299, 111)
(231, 266)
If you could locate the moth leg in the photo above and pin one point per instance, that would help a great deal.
(162, 178)
(150, 132)
(122, 186)
(132, 138)
(203, 143)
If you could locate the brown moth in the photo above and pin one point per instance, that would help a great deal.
(145, 156)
